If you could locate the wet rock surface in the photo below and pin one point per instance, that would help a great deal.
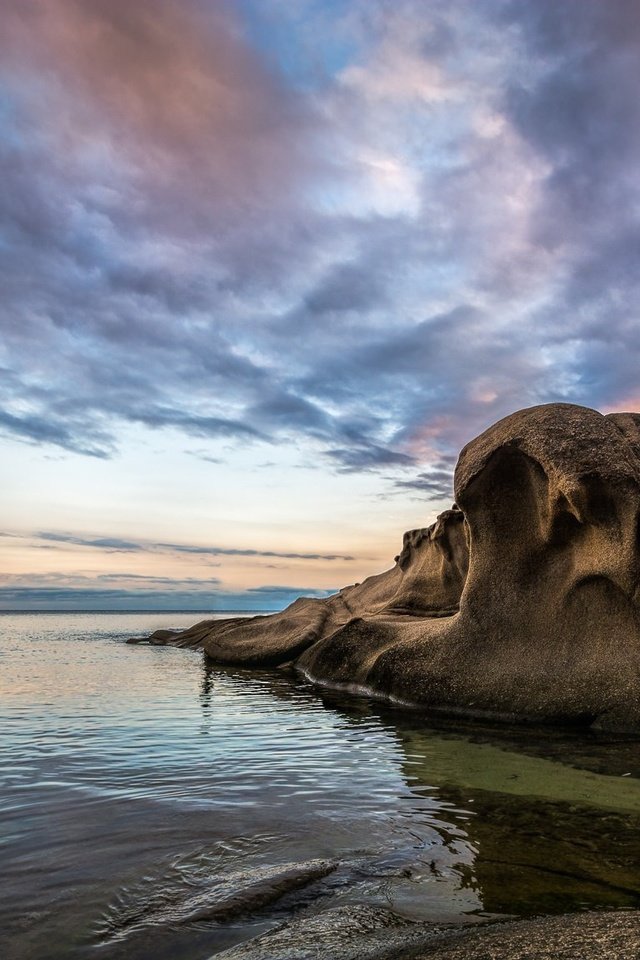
(593, 936)
(344, 933)
(520, 603)
(361, 934)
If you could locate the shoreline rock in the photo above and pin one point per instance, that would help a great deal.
(599, 935)
(366, 934)
(520, 603)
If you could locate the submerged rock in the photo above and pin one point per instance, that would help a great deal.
(519, 603)
(221, 899)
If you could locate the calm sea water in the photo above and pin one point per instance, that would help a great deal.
(138, 783)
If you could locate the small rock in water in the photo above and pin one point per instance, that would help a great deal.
(259, 892)
(223, 898)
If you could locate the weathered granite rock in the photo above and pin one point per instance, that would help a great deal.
(522, 602)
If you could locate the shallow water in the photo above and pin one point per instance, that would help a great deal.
(152, 804)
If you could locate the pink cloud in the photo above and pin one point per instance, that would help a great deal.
(170, 92)
(630, 403)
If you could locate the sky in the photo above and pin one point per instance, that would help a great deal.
(266, 265)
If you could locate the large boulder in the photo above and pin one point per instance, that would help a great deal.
(521, 602)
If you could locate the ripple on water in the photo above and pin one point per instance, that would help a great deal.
(142, 789)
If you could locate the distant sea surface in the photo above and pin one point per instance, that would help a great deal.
(140, 787)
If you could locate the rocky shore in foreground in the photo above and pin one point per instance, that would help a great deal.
(583, 936)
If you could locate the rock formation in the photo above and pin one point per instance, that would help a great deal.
(521, 602)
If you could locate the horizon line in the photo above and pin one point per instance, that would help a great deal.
(127, 610)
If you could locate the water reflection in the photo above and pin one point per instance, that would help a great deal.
(554, 818)
(533, 820)
(136, 779)
(549, 837)
(206, 691)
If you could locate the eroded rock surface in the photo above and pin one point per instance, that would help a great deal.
(521, 602)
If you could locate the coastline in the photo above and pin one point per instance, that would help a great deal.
(598, 935)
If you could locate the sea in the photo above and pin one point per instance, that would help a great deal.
(156, 805)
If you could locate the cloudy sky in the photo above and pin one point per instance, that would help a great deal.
(267, 264)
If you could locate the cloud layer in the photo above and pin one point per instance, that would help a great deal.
(360, 230)
(117, 545)
(436, 224)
